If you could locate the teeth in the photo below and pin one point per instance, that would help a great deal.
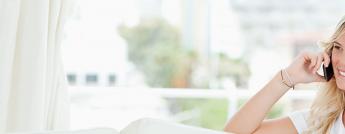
(342, 73)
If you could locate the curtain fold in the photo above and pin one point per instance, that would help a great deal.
(33, 89)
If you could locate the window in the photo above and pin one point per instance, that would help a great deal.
(72, 79)
(92, 79)
(162, 46)
(112, 79)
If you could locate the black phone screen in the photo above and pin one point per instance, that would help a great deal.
(328, 71)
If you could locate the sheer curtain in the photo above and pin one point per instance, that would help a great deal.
(33, 94)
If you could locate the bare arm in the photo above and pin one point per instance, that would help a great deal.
(249, 119)
(251, 115)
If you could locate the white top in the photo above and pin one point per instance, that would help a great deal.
(299, 119)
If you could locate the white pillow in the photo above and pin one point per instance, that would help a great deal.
(86, 131)
(154, 126)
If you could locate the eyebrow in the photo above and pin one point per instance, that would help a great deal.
(338, 43)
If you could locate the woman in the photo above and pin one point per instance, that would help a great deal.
(326, 114)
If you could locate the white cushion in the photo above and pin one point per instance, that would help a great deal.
(141, 126)
(154, 126)
(86, 131)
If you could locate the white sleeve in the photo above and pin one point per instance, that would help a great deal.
(299, 120)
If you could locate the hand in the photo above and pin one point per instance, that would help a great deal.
(304, 68)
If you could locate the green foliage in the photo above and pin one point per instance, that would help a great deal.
(237, 69)
(155, 48)
(213, 112)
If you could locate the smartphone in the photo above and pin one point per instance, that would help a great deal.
(328, 71)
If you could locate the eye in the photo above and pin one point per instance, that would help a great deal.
(336, 47)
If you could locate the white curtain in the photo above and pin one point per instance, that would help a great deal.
(33, 94)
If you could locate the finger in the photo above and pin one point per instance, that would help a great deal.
(306, 57)
(318, 64)
(312, 62)
(319, 78)
(326, 59)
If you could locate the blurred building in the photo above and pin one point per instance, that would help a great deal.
(271, 19)
(277, 30)
(268, 33)
(256, 30)
(207, 27)
(93, 52)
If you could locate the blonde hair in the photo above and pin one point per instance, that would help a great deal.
(329, 102)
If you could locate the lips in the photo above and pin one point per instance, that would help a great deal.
(341, 71)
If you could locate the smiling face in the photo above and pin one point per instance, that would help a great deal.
(338, 61)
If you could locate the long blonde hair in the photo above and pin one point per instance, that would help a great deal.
(329, 102)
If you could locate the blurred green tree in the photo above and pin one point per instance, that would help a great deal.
(154, 46)
(237, 69)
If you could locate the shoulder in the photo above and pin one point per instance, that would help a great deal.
(299, 119)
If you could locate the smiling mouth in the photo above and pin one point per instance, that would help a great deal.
(342, 73)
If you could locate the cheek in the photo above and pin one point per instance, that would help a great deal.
(335, 60)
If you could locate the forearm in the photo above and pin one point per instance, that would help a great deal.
(251, 115)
